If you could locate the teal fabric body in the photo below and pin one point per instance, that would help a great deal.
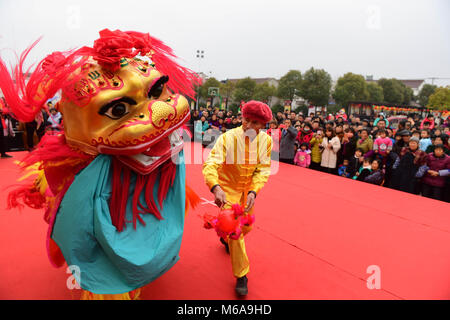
(112, 262)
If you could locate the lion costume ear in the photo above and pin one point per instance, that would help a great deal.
(182, 80)
(26, 99)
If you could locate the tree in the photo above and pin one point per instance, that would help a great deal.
(209, 83)
(350, 87)
(408, 95)
(226, 91)
(277, 108)
(316, 86)
(234, 107)
(426, 91)
(244, 90)
(440, 99)
(394, 91)
(289, 84)
(375, 92)
(264, 91)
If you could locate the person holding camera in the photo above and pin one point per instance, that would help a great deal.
(287, 143)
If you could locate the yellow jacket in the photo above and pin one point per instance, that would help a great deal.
(238, 165)
(316, 154)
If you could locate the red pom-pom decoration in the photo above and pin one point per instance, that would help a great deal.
(228, 222)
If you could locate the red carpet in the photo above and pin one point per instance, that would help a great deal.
(314, 238)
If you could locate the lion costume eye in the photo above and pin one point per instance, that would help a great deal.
(157, 88)
(118, 108)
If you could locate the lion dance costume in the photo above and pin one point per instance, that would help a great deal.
(113, 183)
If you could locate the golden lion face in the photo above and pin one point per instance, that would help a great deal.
(129, 113)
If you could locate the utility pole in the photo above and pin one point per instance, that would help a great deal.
(200, 55)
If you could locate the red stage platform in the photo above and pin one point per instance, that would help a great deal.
(315, 237)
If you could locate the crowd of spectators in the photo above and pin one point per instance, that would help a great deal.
(33, 131)
(410, 155)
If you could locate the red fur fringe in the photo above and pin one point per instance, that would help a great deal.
(144, 183)
(27, 195)
(59, 162)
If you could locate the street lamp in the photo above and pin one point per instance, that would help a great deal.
(200, 55)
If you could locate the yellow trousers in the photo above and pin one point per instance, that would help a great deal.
(239, 259)
(132, 295)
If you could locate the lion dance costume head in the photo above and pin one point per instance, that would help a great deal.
(121, 98)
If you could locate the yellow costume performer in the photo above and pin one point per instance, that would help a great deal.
(236, 170)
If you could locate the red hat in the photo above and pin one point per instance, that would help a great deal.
(257, 110)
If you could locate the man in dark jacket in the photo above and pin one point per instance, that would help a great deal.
(287, 143)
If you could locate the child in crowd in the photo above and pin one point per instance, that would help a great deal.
(355, 162)
(364, 171)
(343, 169)
(382, 145)
(437, 132)
(416, 134)
(303, 156)
(425, 140)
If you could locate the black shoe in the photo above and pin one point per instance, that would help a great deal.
(6, 156)
(241, 286)
(225, 244)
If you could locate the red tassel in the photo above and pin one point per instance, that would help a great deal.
(140, 184)
(166, 180)
(149, 199)
(119, 194)
(144, 183)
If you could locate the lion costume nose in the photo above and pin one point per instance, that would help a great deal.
(161, 113)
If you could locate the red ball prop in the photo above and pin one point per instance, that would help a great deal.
(227, 221)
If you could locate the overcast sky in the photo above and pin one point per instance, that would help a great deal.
(394, 38)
